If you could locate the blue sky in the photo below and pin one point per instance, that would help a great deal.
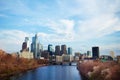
(79, 24)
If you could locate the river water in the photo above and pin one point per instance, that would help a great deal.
(54, 72)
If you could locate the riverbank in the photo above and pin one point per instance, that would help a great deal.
(97, 70)
(10, 65)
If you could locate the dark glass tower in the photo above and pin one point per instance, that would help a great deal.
(57, 50)
(63, 49)
(95, 52)
(50, 49)
(24, 46)
(69, 50)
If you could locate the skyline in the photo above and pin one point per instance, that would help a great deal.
(80, 24)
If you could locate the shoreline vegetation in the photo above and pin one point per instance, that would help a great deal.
(97, 70)
(10, 65)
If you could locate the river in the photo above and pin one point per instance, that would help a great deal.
(53, 72)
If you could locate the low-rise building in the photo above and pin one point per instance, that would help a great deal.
(105, 58)
(26, 54)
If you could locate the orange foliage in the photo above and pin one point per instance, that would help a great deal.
(10, 65)
(96, 70)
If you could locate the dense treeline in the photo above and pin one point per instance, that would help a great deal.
(10, 65)
(97, 70)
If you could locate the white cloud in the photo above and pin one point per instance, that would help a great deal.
(95, 18)
(63, 30)
(12, 39)
(101, 20)
(98, 26)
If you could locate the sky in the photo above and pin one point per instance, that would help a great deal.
(80, 24)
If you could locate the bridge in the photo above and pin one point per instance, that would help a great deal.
(64, 59)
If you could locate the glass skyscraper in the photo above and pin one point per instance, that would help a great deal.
(95, 52)
(36, 47)
(69, 50)
(50, 49)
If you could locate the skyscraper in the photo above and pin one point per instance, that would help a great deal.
(69, 50)
(88, 53)
(95, 52)
(36, 47)
(50, 49)
(33, 44)
(28, 43)
(25, 45)
(63, 49)
(57, 50)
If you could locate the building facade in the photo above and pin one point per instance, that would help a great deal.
(69, 50)
(25, 45)
(57, 50)
(28, 43)
(26, 54)
(45, 54)
(95, 52)
(63, 49)
(36, 47)
(88, 54)
(50, 49)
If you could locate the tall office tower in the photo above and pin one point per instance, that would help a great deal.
(88, 53)
(95, 52)
(40, 47)
(57, 50)
(33, 44)
(50, 49)
(69, 50)
(24, 46)
(63, 49)
(36, 47)
(28, 43)
(39, 50)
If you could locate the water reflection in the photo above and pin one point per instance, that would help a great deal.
(56, 72)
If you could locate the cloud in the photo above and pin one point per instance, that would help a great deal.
(98, 26)
(105, 49)
(62, 30)
(65, 20)
(12, 39)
